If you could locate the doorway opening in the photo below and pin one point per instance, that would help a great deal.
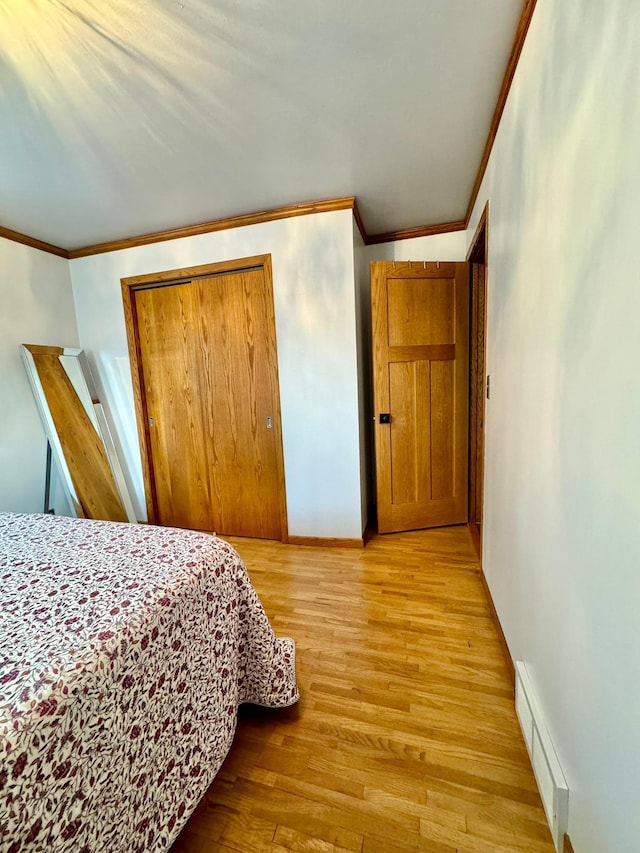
(478, 257)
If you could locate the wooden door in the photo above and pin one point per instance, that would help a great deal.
(420, 320)
(210, 401)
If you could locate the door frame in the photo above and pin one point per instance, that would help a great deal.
(478, 256)
(129, 286)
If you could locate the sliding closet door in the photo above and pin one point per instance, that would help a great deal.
(237, 330)
(210, 392)
(176, 405)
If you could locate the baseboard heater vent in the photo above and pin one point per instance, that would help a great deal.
(546, 767)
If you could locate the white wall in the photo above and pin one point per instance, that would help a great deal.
(37, 308)
(562, 514)
(313, 280)
(437, 247)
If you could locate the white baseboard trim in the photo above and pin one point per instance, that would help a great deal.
(552, 785)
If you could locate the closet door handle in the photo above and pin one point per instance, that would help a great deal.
(385, 418)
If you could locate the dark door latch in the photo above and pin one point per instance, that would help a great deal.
(385, 418)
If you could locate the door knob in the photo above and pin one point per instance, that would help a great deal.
(385, 418)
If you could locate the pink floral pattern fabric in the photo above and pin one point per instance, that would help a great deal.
(125, 651)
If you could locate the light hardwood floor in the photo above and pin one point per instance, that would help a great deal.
(405, 738)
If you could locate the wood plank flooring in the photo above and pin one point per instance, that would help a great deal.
(405, 738)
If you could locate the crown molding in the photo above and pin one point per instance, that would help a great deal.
(410, 233)
(17, 237)
(518, 43)
(359, 222)
(304, 209)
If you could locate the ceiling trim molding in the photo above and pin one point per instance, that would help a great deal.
(304, 209)
(518, 43)
(17, 237)
(359, 222)
(424, 231)
(474, 248)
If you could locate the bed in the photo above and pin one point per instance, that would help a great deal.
(125, 651)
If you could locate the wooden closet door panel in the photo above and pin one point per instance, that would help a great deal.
(171, 341)
(241, 392)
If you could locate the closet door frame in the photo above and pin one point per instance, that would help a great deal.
(129, 286)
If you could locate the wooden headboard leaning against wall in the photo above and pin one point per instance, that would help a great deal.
(78, 432)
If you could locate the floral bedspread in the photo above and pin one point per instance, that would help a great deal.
(124, 653)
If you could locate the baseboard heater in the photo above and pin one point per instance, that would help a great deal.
(552, 785)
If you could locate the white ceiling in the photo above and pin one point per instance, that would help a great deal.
(124, 117)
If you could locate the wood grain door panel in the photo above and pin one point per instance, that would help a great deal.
(420, 342)
(419, 315)
(410, 403)
(241, 393)
(170, 342)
